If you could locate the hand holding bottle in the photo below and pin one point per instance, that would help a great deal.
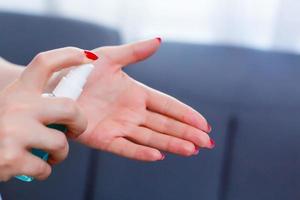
(24, 114)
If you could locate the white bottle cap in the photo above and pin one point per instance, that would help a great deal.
(72, 84)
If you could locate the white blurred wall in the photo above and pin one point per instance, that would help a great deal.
(263, 24)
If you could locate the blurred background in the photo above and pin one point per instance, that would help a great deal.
(267, 24)
(235, 61)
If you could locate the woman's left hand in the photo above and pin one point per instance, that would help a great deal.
(132, 120)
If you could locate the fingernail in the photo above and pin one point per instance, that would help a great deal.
(159, 39)
(212, 143)
(90, 55)
(196, 152)
(209, 128)
(162, 156)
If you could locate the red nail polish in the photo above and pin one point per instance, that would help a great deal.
(159, 39)
(209, 128)
(196, 152)
(163, 156)
(212, 143)
(90, 55)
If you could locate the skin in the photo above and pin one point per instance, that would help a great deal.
(124, 116)
(132, 120)
(24, 114)
(8, 73)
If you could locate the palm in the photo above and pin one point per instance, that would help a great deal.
(110, 108)
(130, 119)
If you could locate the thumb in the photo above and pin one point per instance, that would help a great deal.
(129, 53)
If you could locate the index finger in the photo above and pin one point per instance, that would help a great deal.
(36, 75)
(130, 53)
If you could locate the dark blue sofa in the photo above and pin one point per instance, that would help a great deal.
(250, 97)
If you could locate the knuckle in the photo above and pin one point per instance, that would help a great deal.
(135, 53)
(143, 118)
(40, 58)
(186, 132)
(173, 146)
(70, 107)
(4, 178)
(14, 109)
(11, 106)
(5, 131)
(43, 170)
(82, 126)
(148, 139)
(66, 152)
(72, 49)
(188, 149)
(61, 144)
(7, 142)
(77, 52)
(183, 148)
(3, 164)
(165, 124)
(8, 133)
(9, 157)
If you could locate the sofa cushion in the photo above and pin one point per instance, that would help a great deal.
(265, 157)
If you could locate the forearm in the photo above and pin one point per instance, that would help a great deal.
(8, 73)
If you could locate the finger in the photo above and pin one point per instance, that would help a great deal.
(33, 166)
(147, 137)
(167, 105)
(54, 110)
(128, 149)
(45, 64)
(177, 129)
(49, 140)
(130, 53)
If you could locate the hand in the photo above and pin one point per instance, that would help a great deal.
(132, 120)
(24, 114)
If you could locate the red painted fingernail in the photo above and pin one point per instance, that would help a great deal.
(212, 143)
(163, 156)
(90, 55)
(209, 128)
(159, 39)
(196, 151)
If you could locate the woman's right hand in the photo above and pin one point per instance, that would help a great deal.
(24, 114)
